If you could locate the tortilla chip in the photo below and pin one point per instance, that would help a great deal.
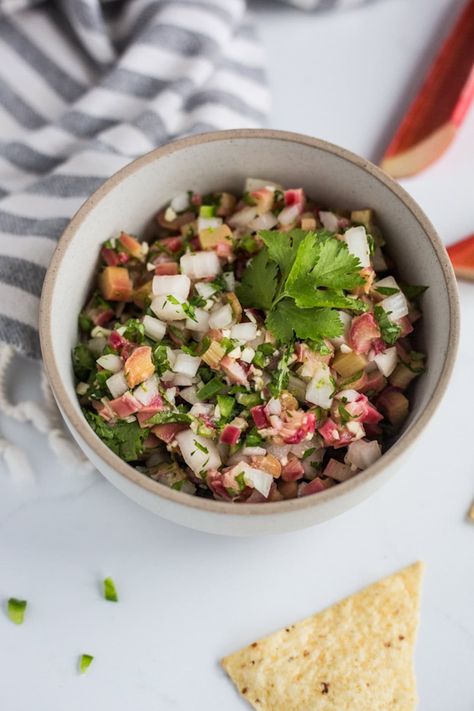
(354, 656)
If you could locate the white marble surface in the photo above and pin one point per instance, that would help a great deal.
(187, 598)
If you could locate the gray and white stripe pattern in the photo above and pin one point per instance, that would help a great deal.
(87, 85)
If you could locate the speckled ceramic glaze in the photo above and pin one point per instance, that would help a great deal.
(222, 161)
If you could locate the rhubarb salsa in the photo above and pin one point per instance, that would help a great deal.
(256, 348)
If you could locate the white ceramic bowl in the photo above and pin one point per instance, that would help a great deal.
(223, 160)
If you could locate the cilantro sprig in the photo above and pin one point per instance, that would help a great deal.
(300, 278)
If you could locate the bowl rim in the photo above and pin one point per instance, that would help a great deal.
(78, 422)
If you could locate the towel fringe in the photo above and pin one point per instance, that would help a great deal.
(45, 417)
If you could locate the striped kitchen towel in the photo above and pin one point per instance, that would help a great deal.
(86, 86)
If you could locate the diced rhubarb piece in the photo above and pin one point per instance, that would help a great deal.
(293, 470)
(329, 431)
(288, 489)
(394, 405)
(150, 442)
(115, 284)
(402, 377)
(259, 417)
(149, 410)
(142, 294)
(295, 197)
(263, 200)
(375, 381)
(308, 222)
(211, 237)
(214, 354)
(363, 217)
(364, 329)
(230, 434)
(139, 366)
(234, 370)
(355, 382)
(439, 108)
(307, 427)
(100, 316)
(166, 269)
(347, 364)
(172, 244)
(125, 405)
(362, 410)
(405, 326)
(226, 204)
(315, 486)
(111, 257)
(168, 432)
(461, 255)
(131, 245)
(338, 470)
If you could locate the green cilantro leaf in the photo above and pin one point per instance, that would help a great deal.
(124, 438)
(389, 331)
(311, 324)
(387, 290)
(83, 361)
(282, 247)
(281, 374)
(336, 267)
(258, 284)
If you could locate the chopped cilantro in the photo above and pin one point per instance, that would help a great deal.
(248, 400)
(240, 479)
(124, 438)
(308, 452)
(134, 330)
(86, 324)
(160, 359)
(83, 361)
(389, 331)
(344, 414)
(253, 438)
(166, 417)
(248, 199)
(281, 374)
(201, 447)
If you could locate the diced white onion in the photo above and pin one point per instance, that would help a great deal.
(395, 306)
(194, 457)
(347, 395)
(387, 361)
(201, 322)
(205, 289)
(357, 244)
(186, 364)
(181, 380)
(154, 328)
(229, 279)
(273, 406)
(202, 408)
(363, 453)
(100, 331)
(264, 222)
(111, 362)
(170, 395)
(247, 355)
(387, 282)
(356, 429)
(189, 394)
(252, 184)
(170, 214)
(180, 202)
(166, 310)
(97, 344)
(176, 284)
(117, 384)
(146, 391)
(344, 348)
(254, 452)
(200, 265)
(320, 389)
(243, 217)
(221, 318)
(346, 323)
(208, 223)
(289, 214)
(244, 332)
(329, 220)
(235, 352)
(256, 478)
